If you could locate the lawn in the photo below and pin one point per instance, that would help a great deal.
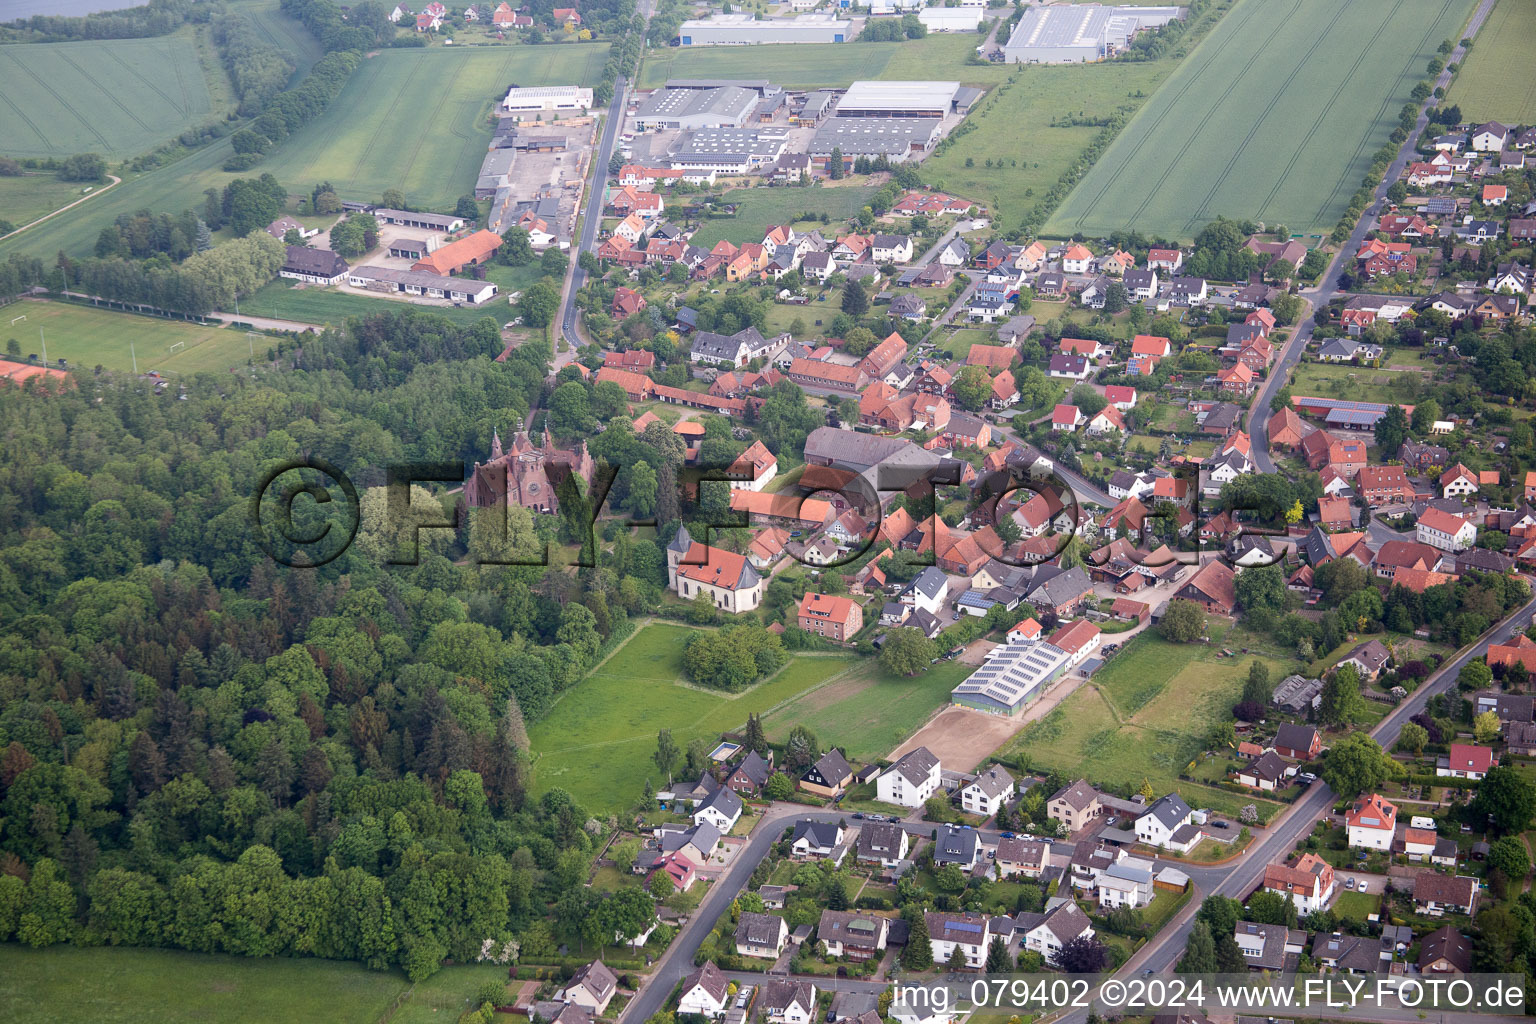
(1495, 82)
(115, 97)
(1356, 906)
(959, 343)
(1362, 383)
(1024, 137)
(808, 65)
(281, 300)
(1145, 715)
(598, 739)
(1275, 117)
(24, 199)
(759, 208)
(416, 119)
(151, 986)
(867, 712)
(89, 337)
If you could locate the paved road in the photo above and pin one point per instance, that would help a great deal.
(1328, 288)
(1084, 490)
(598, 184)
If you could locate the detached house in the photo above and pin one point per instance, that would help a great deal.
(706, 991)
(829, 776)
(1166, 823)
(988, 792)
(881, 843)
(761, 935)
(858, 936)
(1371, 823)
(1075, 806)
(1444, 531)
(1309, 882)
(911, 780)
(788, 1001)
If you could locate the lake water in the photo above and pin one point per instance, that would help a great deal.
(10, 10)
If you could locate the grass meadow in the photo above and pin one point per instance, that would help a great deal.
(757, 209)
(1145, 715)
(598, 739)
(30, 196)
(1273, 117)
(939, 56)
(156, 986)
(90, 337)
(416, 120)
(116, 97)
(285, 300)
(867, 712)
(1495, 82)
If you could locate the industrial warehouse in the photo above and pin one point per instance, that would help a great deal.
(1081, 33)
(750, 126)
(554, 100)
(745, 30)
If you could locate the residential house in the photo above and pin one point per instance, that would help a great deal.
(1213, 587)
(1269, 947)
(988, 792)
(1166, 823)
(1383, 485)
(1309, 882)
(1445, 951)
(958, 846)
(882, 843)
(1368, 660)
(1125, 884)
(829, 776)
(1298, 742)
(788, 1001)
(761, 935)
(910, 780)
(948, 932)
(1265, 772)
(1437, 895)
(1075, 806)
(857, 935)
(721, 809)
(705, 991)
(1466, 761)
(1445, 531)
(815, 839)
(591, 988)
(752, 774)
(1371, 823)
(830, 616)
(1047, 934)
(1021, 857)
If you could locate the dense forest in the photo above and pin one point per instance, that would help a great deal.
(202, 749)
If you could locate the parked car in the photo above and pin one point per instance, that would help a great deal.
(1349, 883)
(858, 815)
(1006, 835)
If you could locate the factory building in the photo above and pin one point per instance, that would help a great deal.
(950, 19)
(729, 150)
(724, 107)
(557, 101)
(906, 99)
(745, 30)
(1080, 33)
(761, 86)
(897, 138)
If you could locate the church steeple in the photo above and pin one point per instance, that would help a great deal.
(495, 444)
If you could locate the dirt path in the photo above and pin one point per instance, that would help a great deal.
(115, 182)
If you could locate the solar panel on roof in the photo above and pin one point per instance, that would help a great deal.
(964, 926)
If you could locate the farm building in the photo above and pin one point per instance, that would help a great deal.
(905, 99)
(495, 172)
(314, 266)
(1073, 34)
(469, 251)
(744, 30)
(725, 107)
(426, 221)
(1011, 677)
(420, 283)
(524, 104)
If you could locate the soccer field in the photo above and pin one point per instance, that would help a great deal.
(1274, 117)
(88, 337)
(416, 120)
(115, 97)
(1495, 82)
(598, 740)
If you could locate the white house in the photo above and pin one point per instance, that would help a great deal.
(721, 809)
(1440, 529)
(1059, 925)
(789, 1001)
(1309, 882)
(1489, 138)
(927, 592)
(706, 991)
(891, 249)
(1166, 823)
(988, 792)
(1125, 884)
(967, 932)
(815, 838)
(911, 780)
(1371, 823)
(761, 935)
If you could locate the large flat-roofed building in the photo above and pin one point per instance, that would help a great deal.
(1011, 677)
(745, 30)
(724, 107)
(761, 86)
(410, 219)
(904, 99)
(728, 150)
(1080, 33)
(897, 138)
(950, 19)
(495, 172)
(531, 103)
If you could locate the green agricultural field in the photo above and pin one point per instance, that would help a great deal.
(1495, 82)
(24, 199)
(416, 120)
(89, 337)
(140, 986)
(1273, 117)
(1145, 715)
(598, 739)
(809, 65)
(116, 97)
(868, 712)
(759, 208)
(1021, 128)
